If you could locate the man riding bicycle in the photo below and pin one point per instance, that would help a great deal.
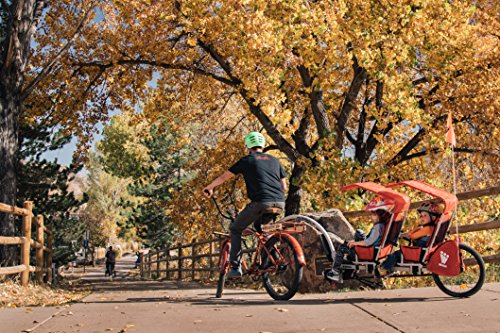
(265, 182)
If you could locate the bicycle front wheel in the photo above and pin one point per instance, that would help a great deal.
(470, 279)
(223, 266)
(284, 280)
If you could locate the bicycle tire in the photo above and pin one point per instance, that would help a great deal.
(223, 265)
(289, 271)
(464, 279)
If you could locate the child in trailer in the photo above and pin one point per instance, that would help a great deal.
(429, 214)
(381, 214)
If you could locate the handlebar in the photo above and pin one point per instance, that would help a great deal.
(228, 217)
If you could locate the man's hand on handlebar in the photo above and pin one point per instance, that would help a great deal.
(208, 192)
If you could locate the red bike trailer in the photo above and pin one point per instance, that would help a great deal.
(460, 276)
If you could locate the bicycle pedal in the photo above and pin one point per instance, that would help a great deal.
(282, 268)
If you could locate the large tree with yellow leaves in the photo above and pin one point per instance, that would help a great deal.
(346, 90)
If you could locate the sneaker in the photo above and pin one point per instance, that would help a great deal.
(234, 273)
(382, 272)
(332, 275)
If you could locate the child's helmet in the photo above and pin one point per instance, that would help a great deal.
(431, 208)
(379, 203)
(254, 139)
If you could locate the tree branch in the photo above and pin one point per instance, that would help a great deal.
(157, 64)
(48, 67)
(437, 150)
(402, 154)
(300, 134)
(350, 137)
(37, 15)
(316, 101)
(359, 77)
(359, 142)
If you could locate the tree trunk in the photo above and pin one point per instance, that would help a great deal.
(292, 204)
(8, 181)
(19, 21)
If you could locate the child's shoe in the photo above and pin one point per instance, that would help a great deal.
(383, 273)
(333, 275)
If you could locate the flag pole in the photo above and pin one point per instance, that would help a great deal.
(450, 138)
(454, 185)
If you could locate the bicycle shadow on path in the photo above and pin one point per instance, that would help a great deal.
(241, 298)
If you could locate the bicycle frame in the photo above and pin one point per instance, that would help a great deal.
(262, 239)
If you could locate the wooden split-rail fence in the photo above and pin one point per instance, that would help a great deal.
(198, 260)
(43, 245)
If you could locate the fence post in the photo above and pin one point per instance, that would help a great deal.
(179, 263)
(193, 260)
(149, 265)
(141, 264)
(158, 257)
(25, 248)
(210, 260)
(50, 245)
(167, 258)
(39, 250)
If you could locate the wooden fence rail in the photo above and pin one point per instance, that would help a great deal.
(43, 253)
(186, 260)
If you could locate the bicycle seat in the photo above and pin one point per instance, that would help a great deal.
(269, 214)
(272, 210)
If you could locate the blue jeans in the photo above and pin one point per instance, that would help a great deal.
(395, 257)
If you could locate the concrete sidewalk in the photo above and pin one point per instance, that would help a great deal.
(148, 306)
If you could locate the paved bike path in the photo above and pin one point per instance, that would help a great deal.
(145, 306)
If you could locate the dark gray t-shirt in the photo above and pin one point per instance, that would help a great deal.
(262, 173)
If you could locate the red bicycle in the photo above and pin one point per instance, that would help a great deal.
(278, 258)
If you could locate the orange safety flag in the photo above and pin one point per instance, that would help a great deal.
(450, 133)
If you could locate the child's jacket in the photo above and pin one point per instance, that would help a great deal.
(421, 231)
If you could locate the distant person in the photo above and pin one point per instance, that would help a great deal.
(110, 262)
(138, 260)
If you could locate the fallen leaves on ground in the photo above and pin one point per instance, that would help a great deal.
(12, 295)
(281, 309)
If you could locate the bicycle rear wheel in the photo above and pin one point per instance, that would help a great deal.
(223, 266)
(284, 281)
(470, 279)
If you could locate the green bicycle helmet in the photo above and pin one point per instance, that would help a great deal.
(254, 139)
